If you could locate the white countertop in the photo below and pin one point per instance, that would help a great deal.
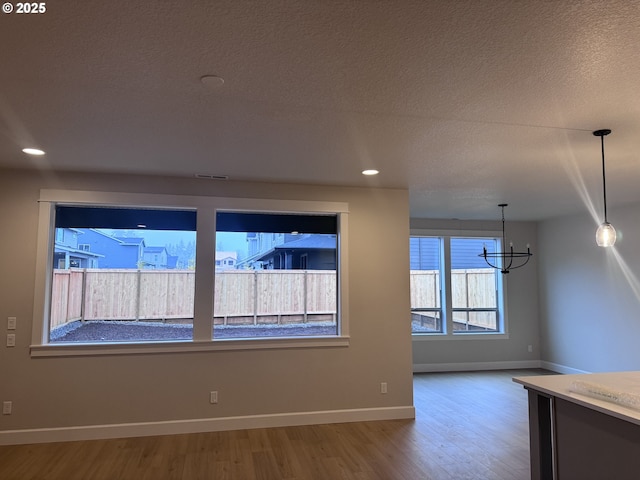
(559, 386)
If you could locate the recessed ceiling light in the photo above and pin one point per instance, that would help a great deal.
(212, 81)
(370, 172)
(33, 151)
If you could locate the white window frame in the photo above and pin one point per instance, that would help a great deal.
(445, 279)
(206, 208)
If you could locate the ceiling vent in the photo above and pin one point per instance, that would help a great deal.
(207, 176)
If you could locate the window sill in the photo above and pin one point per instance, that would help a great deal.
(86, 349)
(422, 337)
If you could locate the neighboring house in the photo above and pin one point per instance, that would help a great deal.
(172, 261)
(92, 248)
(292, 251)
(115, 252)
(258, 243)
(155, 258)
(226, 260)
(424, 254)
(71, 251)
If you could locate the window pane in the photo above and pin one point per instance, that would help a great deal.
(473, 285)
(426, 311)
(121, 285)
(278, 281)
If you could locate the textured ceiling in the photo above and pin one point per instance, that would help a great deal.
(466, 103)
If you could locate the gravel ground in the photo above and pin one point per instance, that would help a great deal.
(101, 331)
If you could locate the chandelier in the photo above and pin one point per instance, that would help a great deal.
(606, 234)
(505, 261)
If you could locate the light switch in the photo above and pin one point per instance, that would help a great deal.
(11, 339)
(11, 323)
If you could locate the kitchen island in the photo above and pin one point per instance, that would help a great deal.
(584, 426)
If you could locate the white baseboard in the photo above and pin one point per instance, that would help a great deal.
(554, 367)
(474, 366)
(94, 432)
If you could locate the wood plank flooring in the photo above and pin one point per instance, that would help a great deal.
(468, 426)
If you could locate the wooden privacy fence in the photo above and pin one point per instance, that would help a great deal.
(470, 288)
(274, 295)
(246, 295)
(120, 294)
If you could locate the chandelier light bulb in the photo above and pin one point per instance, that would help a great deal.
(606, 235)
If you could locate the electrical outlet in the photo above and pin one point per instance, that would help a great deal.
(383, 387)
(213, 397)
(11, 339)
(11, 323)
(6, 408)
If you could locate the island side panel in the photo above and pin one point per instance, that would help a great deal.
(540, 435)
(592, 445)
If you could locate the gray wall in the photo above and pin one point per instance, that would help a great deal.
(590, 296)
(100, 390)
(522, 311)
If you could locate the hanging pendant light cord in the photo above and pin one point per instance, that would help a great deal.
(604, 180)
(504, 235)
(603, 133)
(505, 268)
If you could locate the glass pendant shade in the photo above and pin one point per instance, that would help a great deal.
(606, 235)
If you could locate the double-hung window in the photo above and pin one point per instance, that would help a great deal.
(453, 290)
(132, 269)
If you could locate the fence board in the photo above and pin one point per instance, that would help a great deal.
(235, 293)
(74, 307)
(180, 294)
(321, 291)
(425, 288)
(280, 292)
(152, 300)
(110, 294)
(60, 297)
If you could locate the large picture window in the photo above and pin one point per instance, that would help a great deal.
(283, 281)
(122, 274)
(453, 291)
(114, 271)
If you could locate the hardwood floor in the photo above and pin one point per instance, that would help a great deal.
(468, 426)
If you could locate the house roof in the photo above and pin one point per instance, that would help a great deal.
(60, 247)
(313, 242)
(154, 249)
(131, 240)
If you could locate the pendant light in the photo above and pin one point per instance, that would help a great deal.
(606, 234)
(506, 260)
